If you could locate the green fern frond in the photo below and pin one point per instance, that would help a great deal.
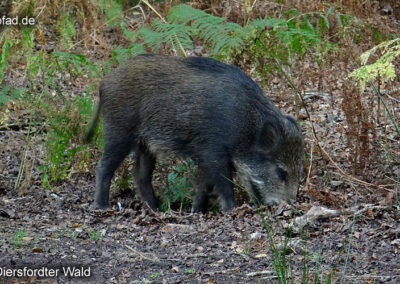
(383, 67)
(151, 38)
(66, 28)
(113, 10)
(223, 38)
(184, 14)
(259, 24)
(9, 93)
(6, 51)
(219, 35)
(173, 33)
(27, 39)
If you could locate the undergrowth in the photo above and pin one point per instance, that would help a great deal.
(177, 193)
(292, 34)
(65, 151)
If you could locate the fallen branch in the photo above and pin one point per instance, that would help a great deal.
(257, 273)
(319, 212)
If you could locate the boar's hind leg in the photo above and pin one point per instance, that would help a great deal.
(114, 154)
(145, 163)
(210, 181)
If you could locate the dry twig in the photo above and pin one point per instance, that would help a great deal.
(148, 256)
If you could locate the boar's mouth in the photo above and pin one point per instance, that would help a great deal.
(261, 199)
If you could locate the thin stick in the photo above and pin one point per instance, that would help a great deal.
(309, 168)
(152, 258)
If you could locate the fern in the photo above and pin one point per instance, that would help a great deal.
(151, 38)
(8, 93)
(4, 55)
(75, 63)
(171, 32)
(221, 36)
(66, 28)
(27, 39)
(273, 37)
(383, 67)
(113, 10)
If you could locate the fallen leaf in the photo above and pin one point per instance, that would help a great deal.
(37, 250)
(27, 239)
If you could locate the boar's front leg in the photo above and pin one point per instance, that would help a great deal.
(214, 179)
(145, 163)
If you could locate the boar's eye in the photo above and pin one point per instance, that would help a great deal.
(282, 174)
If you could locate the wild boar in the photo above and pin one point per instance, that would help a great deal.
(203, 109)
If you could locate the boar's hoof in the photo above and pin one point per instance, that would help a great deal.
(228, 205)
(101, 206)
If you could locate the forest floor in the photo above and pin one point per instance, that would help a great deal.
(57, 229)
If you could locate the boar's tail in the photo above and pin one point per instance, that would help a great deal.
(92, 126)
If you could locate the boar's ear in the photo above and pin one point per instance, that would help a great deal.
(271, 135)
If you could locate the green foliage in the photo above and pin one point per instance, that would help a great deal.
(279, 253)
(177, 191)
(221, 36)
(264, 39)
(124, 180)
(63, 119)
(155, 275)
(278, 40)
(382, 68)
(94, 234)
(66, 29)
(65, 128)
(19, 235)
(113, 11)
(318, 275)
(44, 69)
(119, 55)
(27, 39)
(165, 33)
(9, 93)
(67, 232)
(189, 271)
(6, 51)
(75, 64)
(184, 23)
